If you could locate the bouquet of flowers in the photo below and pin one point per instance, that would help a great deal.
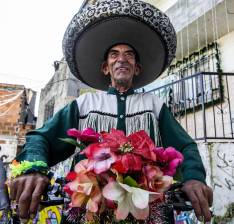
(121, 175)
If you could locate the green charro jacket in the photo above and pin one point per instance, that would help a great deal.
(102, 111)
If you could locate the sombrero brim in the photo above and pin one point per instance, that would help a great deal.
(85, 54)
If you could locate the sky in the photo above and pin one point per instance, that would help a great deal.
(31, 33)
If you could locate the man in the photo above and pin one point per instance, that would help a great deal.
(135, 52)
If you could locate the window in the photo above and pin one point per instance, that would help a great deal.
(49, 110)
(190, 92)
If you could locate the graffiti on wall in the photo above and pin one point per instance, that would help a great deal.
(225, 165)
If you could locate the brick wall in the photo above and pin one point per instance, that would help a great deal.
(23, 129)
(10, 106)
(13, 101)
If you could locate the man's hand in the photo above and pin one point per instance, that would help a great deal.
(26, 190)
(201, 197)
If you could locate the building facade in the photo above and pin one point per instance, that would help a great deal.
(59, 91)
(198, 88)
(16, 118)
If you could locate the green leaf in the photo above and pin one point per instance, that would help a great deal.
(70, 141)
(130, 181)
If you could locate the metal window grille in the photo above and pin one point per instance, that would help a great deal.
(49, 110)
(205, 113)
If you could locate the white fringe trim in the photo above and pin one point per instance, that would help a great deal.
(135, 123)
(98, 122)
(142, 122)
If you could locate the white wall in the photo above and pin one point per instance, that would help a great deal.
(218, 159)
(8, 149)
(226, 44)
(163, 5)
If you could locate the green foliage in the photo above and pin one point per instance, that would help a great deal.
(130, 181)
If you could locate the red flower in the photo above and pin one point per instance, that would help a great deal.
(87, 135)
(142, 144)
(115, 138)
(168, 159)
(128, 162)
(68, 190)
(131, 150)
(138, 143)
(71, 176)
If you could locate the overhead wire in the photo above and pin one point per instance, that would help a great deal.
(187, 28)
(198, 45)
(216, 22)
(4, 102)
(181, 43)
(226, 14)
(205, 25)
(6, 111)
(213, 21)
(6, 95)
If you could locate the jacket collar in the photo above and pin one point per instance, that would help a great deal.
(114, 91)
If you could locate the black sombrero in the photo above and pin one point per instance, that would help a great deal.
(97, 27)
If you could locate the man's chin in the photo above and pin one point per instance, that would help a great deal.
(122, 82)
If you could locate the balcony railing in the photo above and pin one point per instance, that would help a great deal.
(203, 103)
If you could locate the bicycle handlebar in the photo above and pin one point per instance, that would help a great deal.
(54, 195)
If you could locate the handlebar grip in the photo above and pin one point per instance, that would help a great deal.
(182, 207)
(52, 202)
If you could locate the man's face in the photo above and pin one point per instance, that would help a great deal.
(121, 65)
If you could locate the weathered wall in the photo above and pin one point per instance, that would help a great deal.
(186, 11)
(226, 45)
(200, 22)
(218, 159)
(16, 110)
(63, 88)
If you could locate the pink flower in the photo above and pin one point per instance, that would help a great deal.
(84, 189)
(87, 135)
(100, 157)
(152, 179)
(168, 159)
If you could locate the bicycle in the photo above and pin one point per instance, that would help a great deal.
(175, 200)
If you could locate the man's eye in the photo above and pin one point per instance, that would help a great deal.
(129, 55)
(113, 55)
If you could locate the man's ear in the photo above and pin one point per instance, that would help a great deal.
(138, 68)
(104, 68)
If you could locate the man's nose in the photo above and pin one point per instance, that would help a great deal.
(121, 58)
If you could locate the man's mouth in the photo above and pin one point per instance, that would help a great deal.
(122, 68)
